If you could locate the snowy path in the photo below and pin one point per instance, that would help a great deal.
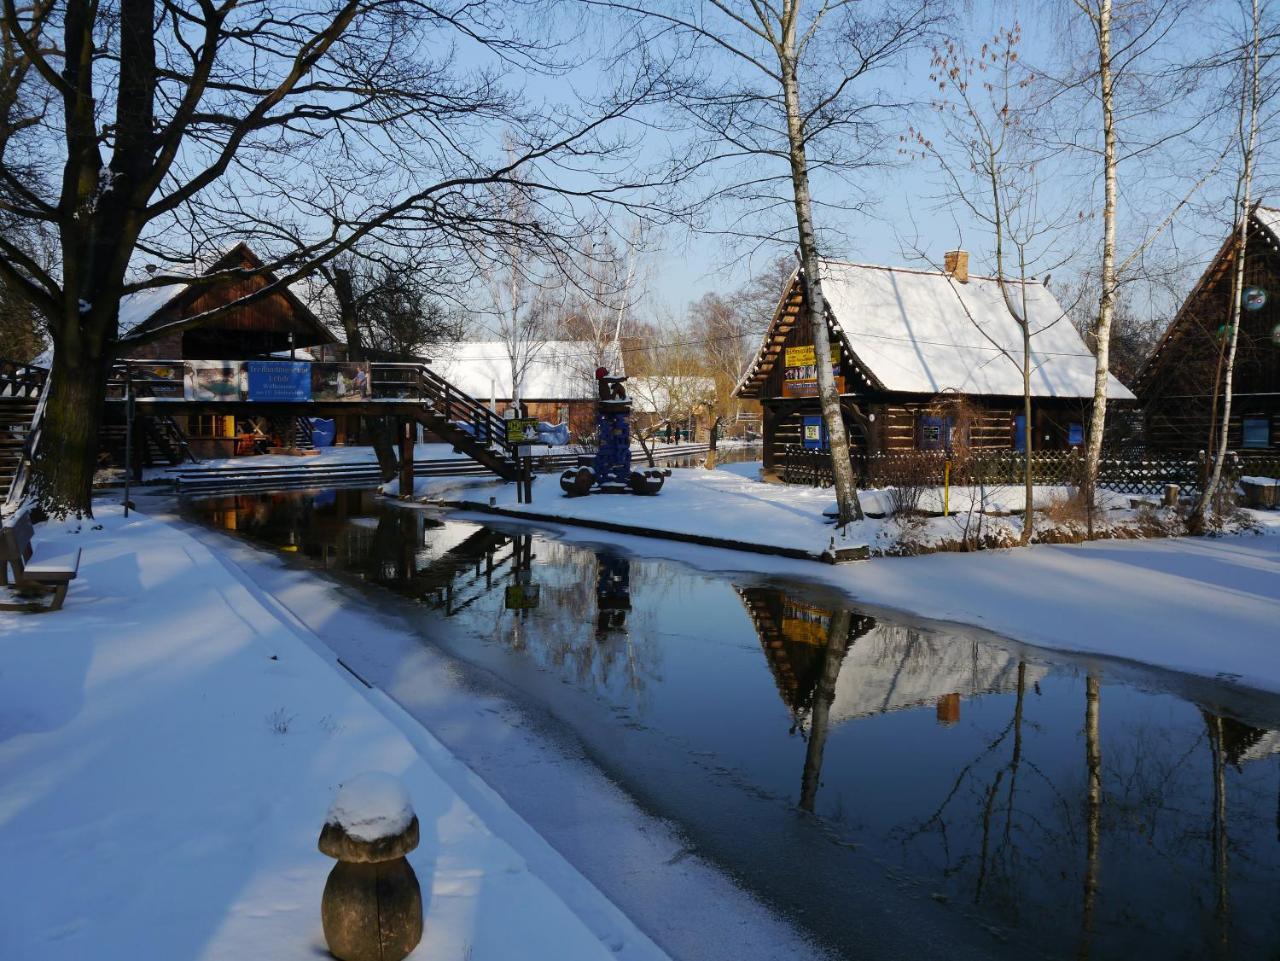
(169, 745)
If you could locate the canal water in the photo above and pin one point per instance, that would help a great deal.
(820, 753)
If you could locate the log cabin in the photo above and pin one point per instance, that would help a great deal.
(907, 346)
(1181, 384)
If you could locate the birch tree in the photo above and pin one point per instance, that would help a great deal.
(789, 91)
(1246, 142)
(1122, 37)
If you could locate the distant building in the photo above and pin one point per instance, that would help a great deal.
(554, 379)
(1178, 384)
(904, 343)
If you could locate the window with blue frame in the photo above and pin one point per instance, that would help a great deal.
(934, 433)
(1256, 432)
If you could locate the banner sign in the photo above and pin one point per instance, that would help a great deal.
(278, 380)
(163, 381)
(522, 430)
(339, 381)
(214, 380)
(800, 371)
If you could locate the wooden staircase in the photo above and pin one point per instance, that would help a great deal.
(453, 416)
(22, 391)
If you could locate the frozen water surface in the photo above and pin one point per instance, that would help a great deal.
(891, 788)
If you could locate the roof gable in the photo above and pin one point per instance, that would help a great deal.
(153, 307)
(922, 332)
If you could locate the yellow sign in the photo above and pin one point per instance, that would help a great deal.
(523, 430)
(800, 356)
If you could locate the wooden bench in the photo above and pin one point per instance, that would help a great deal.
(54, 572)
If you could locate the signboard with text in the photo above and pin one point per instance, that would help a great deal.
(278, 380)
(800, 371)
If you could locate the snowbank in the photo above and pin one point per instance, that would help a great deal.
(734, 507)
(169, 746)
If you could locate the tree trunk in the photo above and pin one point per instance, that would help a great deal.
(841, 466)
(380, 429)
(1092, 810)
(820, 716)
(1107, 298)
(1029, 499)
(68, 454)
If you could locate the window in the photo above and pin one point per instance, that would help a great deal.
(1019, 432)
(1075, 435)
(211, 425)
(1256, 432)
(935, 433)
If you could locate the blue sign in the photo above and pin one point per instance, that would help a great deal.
(1075, 434)
(279, 380)
(814, 433)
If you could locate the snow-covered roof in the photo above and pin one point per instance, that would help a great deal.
(659, 395)
(923, 332)
(1269, 217)
(142, 305)
(139, 307)
(550, 370)
(893, 668)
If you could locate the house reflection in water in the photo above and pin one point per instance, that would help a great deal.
(832, 666)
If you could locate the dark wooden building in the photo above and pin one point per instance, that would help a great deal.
(1180, 386)
(276, 324)
(922, 356)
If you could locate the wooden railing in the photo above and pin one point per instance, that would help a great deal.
(405, 382)
(21, 380)
(24, 381)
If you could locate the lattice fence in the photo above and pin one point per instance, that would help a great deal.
(1126, 472)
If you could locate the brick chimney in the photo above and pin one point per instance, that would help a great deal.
(956, 263)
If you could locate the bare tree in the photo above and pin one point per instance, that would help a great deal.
(787, 93)
(1246, 142)
(161, 128)
(993, 169)
(600, 308)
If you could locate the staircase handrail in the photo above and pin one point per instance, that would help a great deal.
(21, 380)
(437, 389)
(17, 492)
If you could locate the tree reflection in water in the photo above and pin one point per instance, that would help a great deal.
(976, 769)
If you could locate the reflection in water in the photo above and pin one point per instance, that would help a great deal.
(965, 763)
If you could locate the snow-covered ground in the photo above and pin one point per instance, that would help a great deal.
(734, 505)
(1205, 606)
(170, 743)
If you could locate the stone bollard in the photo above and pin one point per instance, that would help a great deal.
(1171, 492)
(372, 904)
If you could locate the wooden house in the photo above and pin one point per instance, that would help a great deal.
(909, 344)
(1180, 386)
(274, 324)
(279, 324)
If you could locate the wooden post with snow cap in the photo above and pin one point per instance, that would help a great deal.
(372, 904)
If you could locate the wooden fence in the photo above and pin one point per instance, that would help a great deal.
(1126, 472)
